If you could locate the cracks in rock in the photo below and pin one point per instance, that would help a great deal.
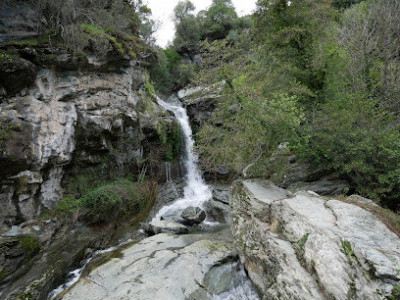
(332, 211)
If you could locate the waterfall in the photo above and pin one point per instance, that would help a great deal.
(196, 191)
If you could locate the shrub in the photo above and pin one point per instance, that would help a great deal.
(356, 139)
(117, 199)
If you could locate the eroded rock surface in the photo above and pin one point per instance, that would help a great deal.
(164, 266)
(68, 121)
(302, 246)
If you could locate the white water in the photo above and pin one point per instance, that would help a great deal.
(75, 275)
(196, 192)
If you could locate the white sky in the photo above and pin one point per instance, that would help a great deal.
(162, 11)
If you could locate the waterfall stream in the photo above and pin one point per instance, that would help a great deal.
(196, 191)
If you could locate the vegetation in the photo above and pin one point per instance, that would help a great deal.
(320, 75)
(108, 201)
(95, 27)
(179, 64)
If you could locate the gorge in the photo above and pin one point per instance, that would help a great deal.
(254, 157)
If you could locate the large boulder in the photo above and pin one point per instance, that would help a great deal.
(301, 246)
(163, 266)
(193, 215)
(217, 209)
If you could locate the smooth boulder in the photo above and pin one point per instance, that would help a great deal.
(193, 215)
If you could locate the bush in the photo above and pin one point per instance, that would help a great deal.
(118, 199)
(357, 140)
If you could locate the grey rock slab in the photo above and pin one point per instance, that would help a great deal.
(164, 266)
(265, 191)
(303, 246)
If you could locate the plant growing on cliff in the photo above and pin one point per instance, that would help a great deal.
(118, 199)
(5, 133)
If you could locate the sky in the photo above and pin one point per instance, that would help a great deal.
(162, 11)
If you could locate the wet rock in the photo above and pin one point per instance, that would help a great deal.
(217, 211)
(193, 215)
(18, 21)
(220, 192)
(164, 226)
(33, 274)
(302, 246)
(163, 266)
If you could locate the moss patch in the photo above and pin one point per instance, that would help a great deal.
(31, 247)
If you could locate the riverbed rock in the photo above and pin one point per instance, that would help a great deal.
(164, 266)
(302, 246)
(30, 274)
(193, 215)
(164, 226)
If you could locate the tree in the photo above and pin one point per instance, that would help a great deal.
(370, 33)
(218, 20)
(187, 33)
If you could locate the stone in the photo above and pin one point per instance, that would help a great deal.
(217, 211)
(324, 186)
(86, 113)
(193, 215)
(164, 266)
(302, 246)
(164, 226)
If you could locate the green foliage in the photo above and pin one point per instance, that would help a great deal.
(395, 293)
(5, 132)
(4, 272)
(354, 138)
(341, 4)
(219, 20)
(187, 25)
(30, 246)
(116, 200)
(5, 57)
(66, 207)
(323, 80)
(91, 26)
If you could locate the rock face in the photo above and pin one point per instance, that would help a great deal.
(163, 266)
(304, 247)
(200, 104)
(193, 215)
(27, 272)
(77, 114)
(217, 209)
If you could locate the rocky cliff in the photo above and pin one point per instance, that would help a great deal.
(303, 246)
(66, 115)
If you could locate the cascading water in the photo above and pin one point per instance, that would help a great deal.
(196, 192)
